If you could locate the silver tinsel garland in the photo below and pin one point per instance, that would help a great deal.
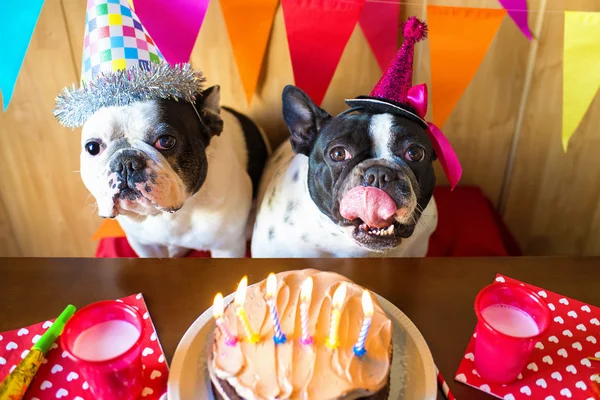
(157, 81)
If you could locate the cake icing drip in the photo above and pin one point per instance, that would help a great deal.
(296, 371)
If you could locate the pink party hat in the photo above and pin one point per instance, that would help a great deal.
(397, 80)
(395, 94)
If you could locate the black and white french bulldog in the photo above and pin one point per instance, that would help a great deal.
(176, 175)
(356, 185)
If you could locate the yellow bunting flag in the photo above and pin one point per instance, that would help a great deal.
(459, 38)
(581, 68)
(110, 228)
(249, 26)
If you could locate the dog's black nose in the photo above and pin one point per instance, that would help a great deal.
(379, 177)
(129, 167)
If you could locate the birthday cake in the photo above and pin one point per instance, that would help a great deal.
(302, 340)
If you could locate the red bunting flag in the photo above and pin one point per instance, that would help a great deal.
(173, 25)
(379, 22)
(317, 32)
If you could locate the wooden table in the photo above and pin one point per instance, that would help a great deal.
(436, 294)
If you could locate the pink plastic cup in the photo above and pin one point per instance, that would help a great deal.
(118, 374)
(508, 331)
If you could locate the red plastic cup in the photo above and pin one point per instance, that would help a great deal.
(113, 371)
(503, 346)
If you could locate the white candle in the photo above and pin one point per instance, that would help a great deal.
(218, 314)
(105, 340)
(510, 320)
(367, 303)
(336, 313)
(305, 298)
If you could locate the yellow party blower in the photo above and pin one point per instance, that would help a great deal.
(15, 385)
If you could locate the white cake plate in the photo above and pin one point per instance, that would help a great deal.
(413, 374)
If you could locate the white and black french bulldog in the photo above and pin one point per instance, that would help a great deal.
(176, 175)
(356, 185)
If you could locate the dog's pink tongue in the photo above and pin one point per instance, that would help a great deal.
(374, 206)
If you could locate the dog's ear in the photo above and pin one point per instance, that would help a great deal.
(209, 108)
(303, 118)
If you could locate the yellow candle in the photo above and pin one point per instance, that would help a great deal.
(338, 301)
(240, 299)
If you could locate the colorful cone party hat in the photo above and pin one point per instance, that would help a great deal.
(395, 94)
(121, 65)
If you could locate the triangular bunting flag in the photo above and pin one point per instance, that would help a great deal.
(379, 22)
(249, 25)
(173, 24)
(17, 22)
(581, 68)
(459, 38)
(110, 228)
(517, 10)
(317, 32)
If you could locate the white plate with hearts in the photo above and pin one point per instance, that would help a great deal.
(413, 373)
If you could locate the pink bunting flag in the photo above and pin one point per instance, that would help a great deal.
(317, 32)
(380, 22)
(173, 25)
(517, 9)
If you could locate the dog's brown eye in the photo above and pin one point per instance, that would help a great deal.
(93, 148)
(165, 142)
(339, 154)
(415, 153)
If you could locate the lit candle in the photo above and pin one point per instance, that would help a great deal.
(240, 299)
(218, 314)
(279, 336)
(305, 297)
(367, 303)
(338, 301)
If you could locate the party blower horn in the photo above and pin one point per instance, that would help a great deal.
(16, 383)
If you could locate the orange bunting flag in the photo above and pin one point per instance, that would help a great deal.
(249, 25)
(459, 38)
(110, 228)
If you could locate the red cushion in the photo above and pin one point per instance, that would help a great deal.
(468, 226)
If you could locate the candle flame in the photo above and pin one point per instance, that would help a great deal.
(367, 304)
(271, 285)
(240, 295)
(306, 290)
(218, 306)
(339, 296)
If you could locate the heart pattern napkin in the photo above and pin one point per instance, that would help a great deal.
(559, 367)
(58, 377)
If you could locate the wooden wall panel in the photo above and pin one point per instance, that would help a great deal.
(45, 210)
(45, 201)
(553, 204)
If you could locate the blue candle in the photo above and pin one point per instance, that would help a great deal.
(367, 303)
(279, 336)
